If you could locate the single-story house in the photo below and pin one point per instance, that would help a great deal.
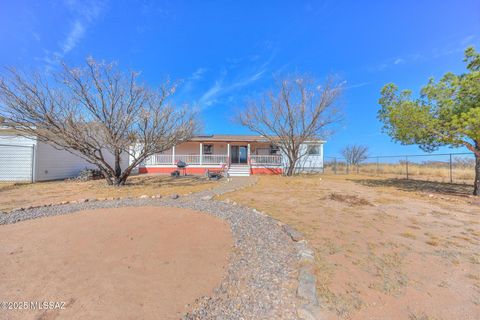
(31, 160)
(241, 155)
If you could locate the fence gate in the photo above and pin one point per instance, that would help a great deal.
(16, 162)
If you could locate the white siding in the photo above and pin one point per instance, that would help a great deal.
(12, 139)
(309, 163)
(53, 164)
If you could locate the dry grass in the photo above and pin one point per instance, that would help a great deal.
(14, 195)
(381, 243)
(460, 174)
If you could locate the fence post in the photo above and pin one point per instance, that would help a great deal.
(335, 165)
(406, 165)
(451, 173)
(378, 164)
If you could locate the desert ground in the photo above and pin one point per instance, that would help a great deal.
(385, 248)
(16, 195)
(128, 263)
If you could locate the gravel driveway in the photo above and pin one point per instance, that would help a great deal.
(262, 278)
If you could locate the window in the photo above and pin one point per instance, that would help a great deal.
(273, 149)
(313, 149)
(208, 149)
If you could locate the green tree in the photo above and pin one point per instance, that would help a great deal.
(447, 112)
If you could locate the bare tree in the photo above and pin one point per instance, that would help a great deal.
(96, 112)
(354, 155)
(297, 111)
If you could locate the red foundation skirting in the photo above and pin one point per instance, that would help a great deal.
(201, 171)
(266, 170)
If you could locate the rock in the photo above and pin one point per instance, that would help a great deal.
(306, 286)
(292, 233)
(307, 255)
(174, 196)
(207, 198)
(143, 196)
(309, 312)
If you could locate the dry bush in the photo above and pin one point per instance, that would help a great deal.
(352, 200)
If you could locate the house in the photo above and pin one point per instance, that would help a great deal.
(31, 160)
(241, 155)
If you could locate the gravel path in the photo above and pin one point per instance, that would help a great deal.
(261, 282)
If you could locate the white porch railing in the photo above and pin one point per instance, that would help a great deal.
(266, 160)
(210, 159)
(214, 159)
(159, 159)
(189, 159)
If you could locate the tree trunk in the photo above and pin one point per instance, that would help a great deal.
(118, 169)
(290, 169)
(291, 166)
(476, 183)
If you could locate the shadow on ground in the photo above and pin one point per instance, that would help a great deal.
(419, 185)
(162, 180)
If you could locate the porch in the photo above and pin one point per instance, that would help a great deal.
(200, 156)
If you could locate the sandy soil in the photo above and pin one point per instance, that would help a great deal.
(385, 249)
(15, 195)
(125, 263)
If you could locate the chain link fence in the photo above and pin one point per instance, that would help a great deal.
(447, 167)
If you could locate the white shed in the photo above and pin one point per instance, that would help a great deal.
(27, 159)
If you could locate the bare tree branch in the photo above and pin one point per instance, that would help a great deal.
(296, 112)
(95, 111)
(355, 154)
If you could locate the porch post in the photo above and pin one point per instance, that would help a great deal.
(248, 153)
(228, 153)
(201, 153)
(173, 155)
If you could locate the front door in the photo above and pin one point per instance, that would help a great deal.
(239, 154)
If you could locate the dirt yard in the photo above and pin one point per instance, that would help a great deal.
(125, 263)
(15, 195)
(385, 248)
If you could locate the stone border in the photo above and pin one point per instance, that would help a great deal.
(307, 289)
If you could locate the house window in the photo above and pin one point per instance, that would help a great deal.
(313, 149)
(208, 149)
(273, 149)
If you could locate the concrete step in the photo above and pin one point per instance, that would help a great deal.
(239, 171)
(239, 174)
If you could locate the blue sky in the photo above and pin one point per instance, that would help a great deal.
(227, 51)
